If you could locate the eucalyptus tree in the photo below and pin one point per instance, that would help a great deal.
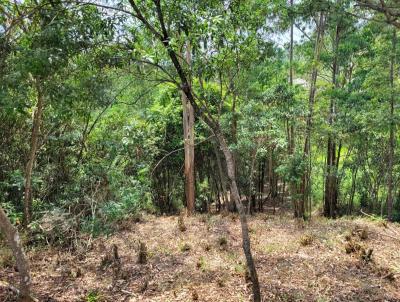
(207, 26)
(318, 13)
(188, 137)
(340, 47)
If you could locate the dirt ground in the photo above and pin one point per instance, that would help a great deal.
(295, 262)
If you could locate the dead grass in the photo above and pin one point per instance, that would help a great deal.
(307, 263)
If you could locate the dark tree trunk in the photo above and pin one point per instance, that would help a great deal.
(330, 198)
(353, 190)
(271, 178)
(252, 192)
(221, 174)
(261, 184)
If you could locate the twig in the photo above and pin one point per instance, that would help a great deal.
(9, 286)
(127, 292)
(176, 150)
(390, 236)
(366, 214)
(383, 234)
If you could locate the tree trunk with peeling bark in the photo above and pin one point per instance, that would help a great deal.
(13, 240)
(188, 137)
(246, 245)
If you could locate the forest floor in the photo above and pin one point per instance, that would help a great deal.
(295, 262)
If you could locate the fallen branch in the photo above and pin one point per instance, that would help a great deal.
(368, 215)
(390, 236)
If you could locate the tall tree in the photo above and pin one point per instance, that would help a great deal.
(37, 121)
(163, 35)
(306, 181)
(188, 137)
(9, 232)
(392, 126)
(331, 191)
(291, 130)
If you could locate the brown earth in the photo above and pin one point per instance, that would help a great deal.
(295, 262)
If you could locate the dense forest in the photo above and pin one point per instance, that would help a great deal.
(183, 150)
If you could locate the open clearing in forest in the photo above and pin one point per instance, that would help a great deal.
(295, 262)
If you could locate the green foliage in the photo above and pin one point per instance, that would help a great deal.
(93, 297)
(292, 169)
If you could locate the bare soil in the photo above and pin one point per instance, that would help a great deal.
(295, 261)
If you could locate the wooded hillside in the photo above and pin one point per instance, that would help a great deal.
(266, 125)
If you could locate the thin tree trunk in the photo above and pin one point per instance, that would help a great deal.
(291, 49)
(330, 204)
(232, 204)
(230, 163)
(221, 174)
(353, 189)
(291, 134)
(218, 193)
(37, 120)
(291, 140)
(306, 182)
(188, 136)
(271, 176)
(251, 184)
(261, 201)
(12, 237)
(391, 130)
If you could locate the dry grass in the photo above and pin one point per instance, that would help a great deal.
(307, 263)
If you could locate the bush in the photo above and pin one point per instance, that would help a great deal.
(306, 239)
(56, 227)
